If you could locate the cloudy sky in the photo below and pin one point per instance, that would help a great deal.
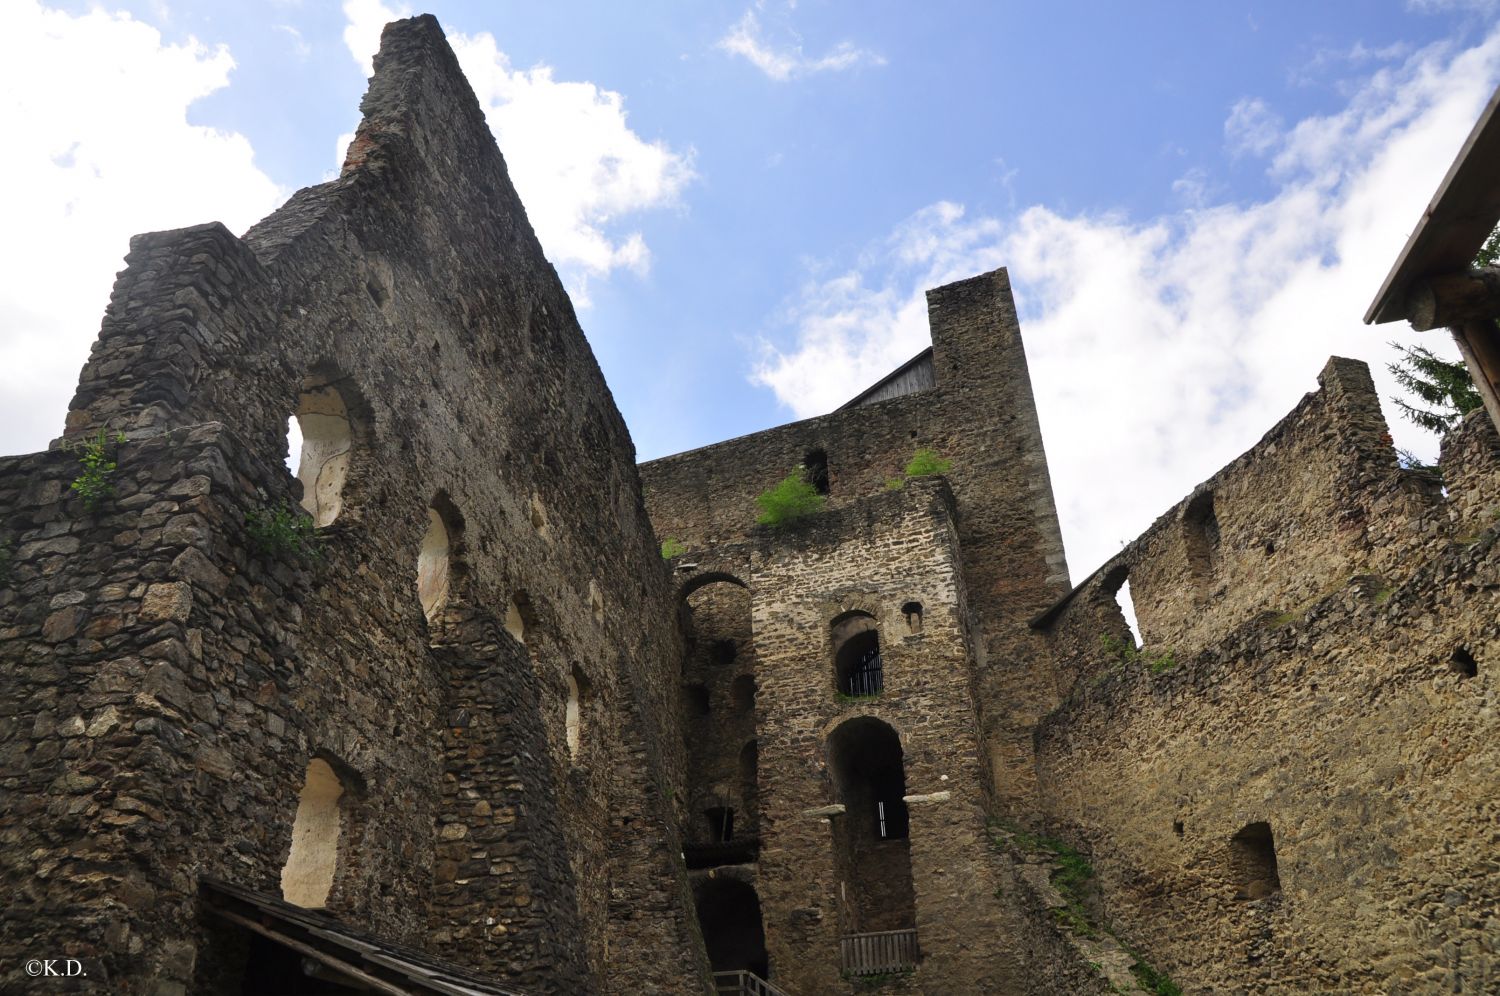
(1196, 201)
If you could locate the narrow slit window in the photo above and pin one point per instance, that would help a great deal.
(815, 464)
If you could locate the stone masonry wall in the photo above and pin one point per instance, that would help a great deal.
(1299, 512)
(874, 556)
(981, 416)
(173, 684)
(1359, 724)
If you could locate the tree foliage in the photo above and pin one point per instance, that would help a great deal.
(1489, 253)
(1443, 388)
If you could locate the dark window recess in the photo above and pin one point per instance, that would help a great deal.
(816, 466)
(892, 821)
(865, 677)
(722, 652)
(720, 824)
(1463, 664)
(696, 697)
(913, 613)
(1202, 525)
(1252, 859)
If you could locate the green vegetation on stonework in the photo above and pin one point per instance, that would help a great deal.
(1153, 981)
(895, 483)
(926, 463)
(1128, 653)
(283, 532)
(793, 498)
(671, 548)
(96, 454)
(1071, 878)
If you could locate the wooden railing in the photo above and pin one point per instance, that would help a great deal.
(743, 984)
(879, 952)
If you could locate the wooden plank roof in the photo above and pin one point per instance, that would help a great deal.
(1460, 217)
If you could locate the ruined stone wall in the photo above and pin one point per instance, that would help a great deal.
(1317, 499)
(1357, 725)
(173, 682)
(981, 416)
(874, 556)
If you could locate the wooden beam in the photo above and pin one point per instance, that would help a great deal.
(1479, 342)
(376, 984)
(1451, 300)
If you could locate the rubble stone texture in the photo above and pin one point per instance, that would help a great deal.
(471, 688)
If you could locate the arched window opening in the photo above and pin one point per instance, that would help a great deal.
(742, 693)
(1463, 664)
(913, 613)
(1117, 585)
(815, 466)
(722, 652)
(720, 824)
(578, 695)
(432, 568)
(307, 876)
(871, 848)
(319, 433)
(519, 617)
(1201, 537)
(1252, 862)
(856, 656)
(729, 917)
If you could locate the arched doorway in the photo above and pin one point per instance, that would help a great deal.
(872, 853)
(729, 916)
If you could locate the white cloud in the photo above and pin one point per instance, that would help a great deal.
(300, 47)
(788, 61)
(1251, 127)
(98, 148)
(576, 163)
(1441, 6)
(1161, 350)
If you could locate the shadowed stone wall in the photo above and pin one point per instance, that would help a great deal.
(171, 681)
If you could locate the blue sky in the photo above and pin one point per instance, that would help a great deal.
(1196, 201)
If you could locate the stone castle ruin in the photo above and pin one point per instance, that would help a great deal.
(436, 716)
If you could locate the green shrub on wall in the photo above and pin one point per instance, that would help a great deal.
(671, 548)
(792, 498)
(283, 532)
(97, 455)
(926, 463)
